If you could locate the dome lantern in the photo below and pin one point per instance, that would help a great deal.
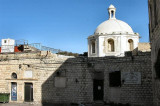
(112, 11)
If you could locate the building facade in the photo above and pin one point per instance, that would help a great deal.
(154, 29)
(42, 77)
(7, 45)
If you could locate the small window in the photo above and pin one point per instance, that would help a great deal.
(14, 76)
(93, 47)
(5, 41)
(115, 79)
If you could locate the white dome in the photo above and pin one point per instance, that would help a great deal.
(113, 26)
(111, 6)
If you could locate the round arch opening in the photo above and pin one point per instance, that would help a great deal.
(14, 76)
(111, 45)
(130, 45)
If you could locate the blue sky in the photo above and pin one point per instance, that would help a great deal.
(66, 24)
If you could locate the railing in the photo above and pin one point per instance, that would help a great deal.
(44, 48)
(21, 42)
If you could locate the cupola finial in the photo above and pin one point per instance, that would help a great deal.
(112, 11)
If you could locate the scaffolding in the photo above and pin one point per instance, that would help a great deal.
(21, 42)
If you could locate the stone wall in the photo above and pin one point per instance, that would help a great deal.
(76, 76)
(154, 27)
(144, 47)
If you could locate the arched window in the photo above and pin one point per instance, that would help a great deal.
(130, 44)
(14, 76)
(110, 45)
(93, 47)
(112, 14)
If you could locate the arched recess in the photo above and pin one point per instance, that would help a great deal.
(93, 46)
(112, 14)
(14, 76)
(130, 44)
(111, 45)
(157, 65)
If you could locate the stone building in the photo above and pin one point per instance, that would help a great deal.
(112, 37)
(154, 29)
(43, 77)
(7, 45)
(34, 76)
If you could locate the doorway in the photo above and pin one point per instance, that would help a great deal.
(28, 92)
(14, 91)
(98, 89)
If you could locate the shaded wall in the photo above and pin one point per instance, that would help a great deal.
(81, 71)
(154, 30)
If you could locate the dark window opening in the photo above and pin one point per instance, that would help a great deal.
(5, 41)
(14, 76)
(115, 79)
(112, 14)
(93, 47)
(157, 66)
(20, 66)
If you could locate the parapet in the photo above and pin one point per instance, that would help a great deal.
(144, 47)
